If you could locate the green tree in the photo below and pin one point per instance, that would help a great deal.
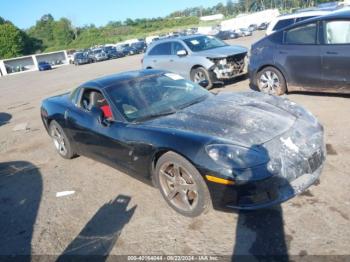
(11, 41)
(62, 32)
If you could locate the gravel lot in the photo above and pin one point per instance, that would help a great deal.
(113, 213)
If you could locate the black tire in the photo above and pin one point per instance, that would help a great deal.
(68, 153)
(198, 199)
(201, 71)
(277, 87)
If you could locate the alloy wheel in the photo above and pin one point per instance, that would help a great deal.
(178, 186)
(199, 76)
(59, 141)
(269, 82)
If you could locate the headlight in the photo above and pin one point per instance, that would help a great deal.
(237, 156)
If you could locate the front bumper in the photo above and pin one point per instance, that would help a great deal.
(234, 66)
(296, 161)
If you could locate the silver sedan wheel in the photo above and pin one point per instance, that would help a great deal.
(59, 141)
(269, 82)
(199, 76)
(178, 186)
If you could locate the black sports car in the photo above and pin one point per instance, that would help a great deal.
(238, 150)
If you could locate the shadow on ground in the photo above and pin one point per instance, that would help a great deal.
(100, 234)
(20, 195)
(260, 233)
(4, 118)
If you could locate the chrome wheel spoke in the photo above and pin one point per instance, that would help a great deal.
(185, 200)
(172, 194)
(168, 176)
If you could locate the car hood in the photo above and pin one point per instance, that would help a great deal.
(234, 117)
(223, 51)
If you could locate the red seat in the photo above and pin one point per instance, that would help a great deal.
(106, 111)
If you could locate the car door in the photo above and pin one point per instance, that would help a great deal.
(300, 56)
(179, 64)
(101, 141)
(159, 56)
(336, 55)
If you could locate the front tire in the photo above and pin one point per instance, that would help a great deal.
(199, 74)
(60, 140)
(270, 80)
(181, 185)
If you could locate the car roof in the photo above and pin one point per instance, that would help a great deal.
(341, 14)
(112, 80)
(302, 14)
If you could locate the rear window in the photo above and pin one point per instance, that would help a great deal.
(305, 34)
(283, 23)
(161, 49)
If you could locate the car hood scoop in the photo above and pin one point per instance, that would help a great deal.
(235, 117)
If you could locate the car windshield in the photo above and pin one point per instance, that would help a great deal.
(156, 95)
(201, 43)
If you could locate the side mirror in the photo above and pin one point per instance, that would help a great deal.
(97, 113)
(181, 53)
(204, 83)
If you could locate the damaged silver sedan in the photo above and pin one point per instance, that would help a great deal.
(198, 58)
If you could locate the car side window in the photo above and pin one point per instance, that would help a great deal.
(337, 32)
(94, 98)
(161, 49)
(283, 23)
(305, 34)
(299, 19)
(176, 46)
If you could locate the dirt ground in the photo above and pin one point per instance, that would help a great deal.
(113, 213)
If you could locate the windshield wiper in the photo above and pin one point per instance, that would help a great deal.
(148, 117)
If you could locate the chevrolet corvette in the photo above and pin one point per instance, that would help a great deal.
(243, 150)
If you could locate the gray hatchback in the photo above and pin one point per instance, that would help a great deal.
(197, 58)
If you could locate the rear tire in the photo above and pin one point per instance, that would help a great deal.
(181, 185)
(199, 74)
(270, 80)
(60, 140)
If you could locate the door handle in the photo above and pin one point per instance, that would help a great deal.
(331, 53)
(154, 61)
(283, 52)
(171, 60)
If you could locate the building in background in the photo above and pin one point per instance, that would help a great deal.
(30, 63)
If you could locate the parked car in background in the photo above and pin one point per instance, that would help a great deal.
(245, 32)
(198, 58)
(97, 55)
(225, 35)
(43, 66)
(312, 55)
(80, 58)
(263, 26)
(112, 53)
(283, 21)
(140, 46)
(253, 27)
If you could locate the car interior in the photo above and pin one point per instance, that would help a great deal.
(92, 98)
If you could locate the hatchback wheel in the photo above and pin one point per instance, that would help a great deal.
(200, 74)
(60, 140)
(181, 185)
(271, 81)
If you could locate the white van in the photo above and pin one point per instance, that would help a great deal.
(283, 21)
